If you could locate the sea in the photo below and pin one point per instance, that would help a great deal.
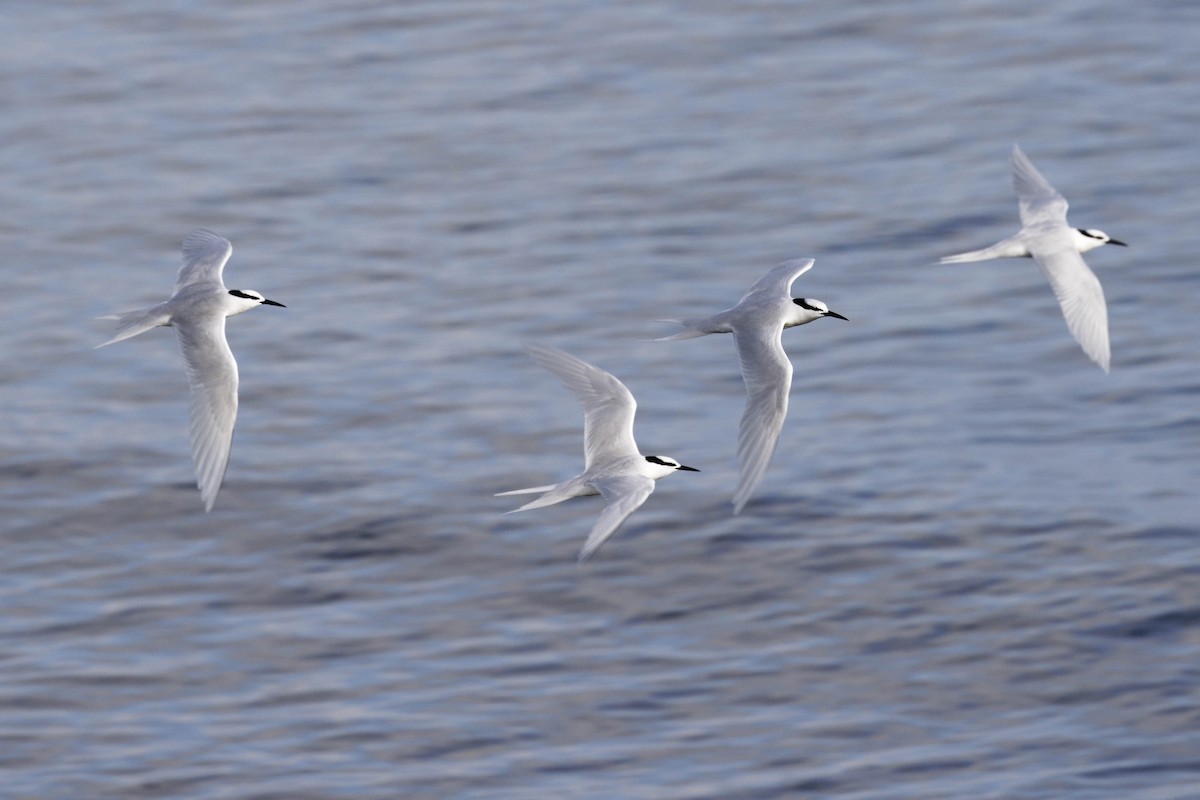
(972, 569)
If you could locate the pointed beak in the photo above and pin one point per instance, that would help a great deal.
(267, 302)
(687, 469)
(835, 314)
(1114, 241)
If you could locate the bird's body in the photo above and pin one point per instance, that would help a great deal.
(197, 310)
(613, 467)
(1057, 248)
(757, 323)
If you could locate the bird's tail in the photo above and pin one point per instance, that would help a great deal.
(131, 323)
(530, 490)
(690, 333)
(1009, 248)
(554, 493)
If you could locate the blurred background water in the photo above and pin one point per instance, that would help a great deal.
(972, 571)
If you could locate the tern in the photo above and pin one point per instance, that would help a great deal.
(757, 324)
(1056, 247)
(613, 466)
(197, 311)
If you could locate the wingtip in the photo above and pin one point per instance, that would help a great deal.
(590, 547)
(1101, 359)
(209, 497)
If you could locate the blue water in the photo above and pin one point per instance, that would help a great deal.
(972, 571)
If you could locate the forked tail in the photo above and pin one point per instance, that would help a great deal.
(690, 333)
(530, 490)
(1009, 248)
(131, 323)
(554, 493)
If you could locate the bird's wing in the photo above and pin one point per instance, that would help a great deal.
(780, 279)
(767, 373)
(204, 257)
(213, 375)
(1038, 201)
(608, 407)
(1081, 296)
(622, 495)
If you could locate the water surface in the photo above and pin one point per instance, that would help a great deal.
(972, 570)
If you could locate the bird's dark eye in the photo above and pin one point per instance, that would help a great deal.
(240, 293)
(657, 460)
(803, 303)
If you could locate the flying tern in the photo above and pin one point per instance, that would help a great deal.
(613, 466)
(197, 311)
(757, 324)
(1056, 247)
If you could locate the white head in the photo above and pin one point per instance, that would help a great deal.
(1091, 238)
(245, 299)
(662, 466)
(806, 309)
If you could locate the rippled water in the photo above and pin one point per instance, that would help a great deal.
(972, 571)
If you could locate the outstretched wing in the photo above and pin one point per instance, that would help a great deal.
(780, 279)
(213, 375)
(623, 495)
(767, 373)
(204, 257)
(608, 407)
(1081, 296)
(1038, 201)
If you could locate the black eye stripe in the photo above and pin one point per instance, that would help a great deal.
(240, 293)
(1088, 234)
(657, 460)
(803, 303)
